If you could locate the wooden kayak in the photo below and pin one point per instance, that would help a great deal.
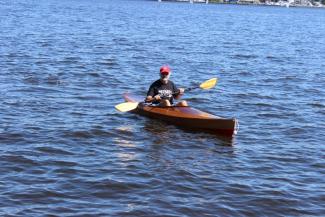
(185, 117)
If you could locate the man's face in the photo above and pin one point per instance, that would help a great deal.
(164, 76)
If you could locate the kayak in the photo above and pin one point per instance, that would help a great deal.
(185, 117)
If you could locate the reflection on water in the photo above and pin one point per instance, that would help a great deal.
(124, 128)
(126, 157)
(124, 143)
(126, 152)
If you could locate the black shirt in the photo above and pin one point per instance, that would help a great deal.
(165, 91)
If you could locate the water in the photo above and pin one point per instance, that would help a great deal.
(65, 151)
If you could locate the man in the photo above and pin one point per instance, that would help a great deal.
(163, 91)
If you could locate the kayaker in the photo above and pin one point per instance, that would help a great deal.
(163, 91)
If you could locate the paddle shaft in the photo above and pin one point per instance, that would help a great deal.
(191, 88)
(187, 89)
(205, 85)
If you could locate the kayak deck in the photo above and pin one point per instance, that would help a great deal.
(185, 117)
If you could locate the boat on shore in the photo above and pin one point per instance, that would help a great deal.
(187, 117)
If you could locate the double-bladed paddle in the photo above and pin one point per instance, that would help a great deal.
(128, 106)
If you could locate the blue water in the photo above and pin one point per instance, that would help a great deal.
(65, 150)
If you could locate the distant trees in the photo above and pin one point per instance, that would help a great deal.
(261, 1)
(320, 1)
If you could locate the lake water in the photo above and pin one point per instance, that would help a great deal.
(65, 150)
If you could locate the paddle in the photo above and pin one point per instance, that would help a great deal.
(128, 106)
(208, 84)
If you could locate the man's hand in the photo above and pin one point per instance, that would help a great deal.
(181, 90)
(149, 99)
(157, 98)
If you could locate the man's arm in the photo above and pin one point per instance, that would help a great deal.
(151, 95)
(177, 92)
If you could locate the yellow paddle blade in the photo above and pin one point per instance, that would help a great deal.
(209, 83)
(127, 106)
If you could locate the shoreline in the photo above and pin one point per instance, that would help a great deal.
(273, 4)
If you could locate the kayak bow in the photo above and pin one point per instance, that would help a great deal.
(185, 117)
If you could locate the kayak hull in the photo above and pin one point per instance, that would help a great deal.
(186, 117)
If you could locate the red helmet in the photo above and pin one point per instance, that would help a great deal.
(165, 70)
